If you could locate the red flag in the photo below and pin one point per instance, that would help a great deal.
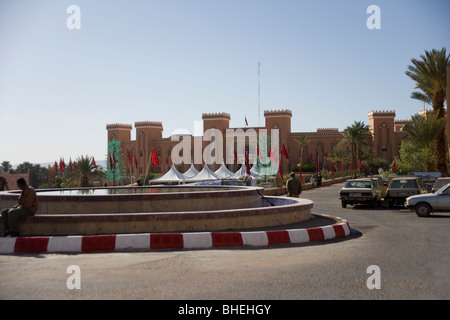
(56, 166)
(246, 122)
(284, 152)
(394, 166)
(130, 159)
(360, 165)
(112, 162)
(332, 170)
(247, 164)
(154, 158)
(62, 165)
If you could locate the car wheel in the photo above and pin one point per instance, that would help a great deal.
(344, 204)
(423, 209)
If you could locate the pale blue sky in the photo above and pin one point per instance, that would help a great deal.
(172, 60)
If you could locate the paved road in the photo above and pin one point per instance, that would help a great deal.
(413, 256)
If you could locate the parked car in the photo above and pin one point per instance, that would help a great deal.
(403, 187)
(428, 178)
(360, 191)
(425, 204)
(439, 183)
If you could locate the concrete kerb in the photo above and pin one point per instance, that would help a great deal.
(165, 241)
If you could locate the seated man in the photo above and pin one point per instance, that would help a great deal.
(293, 186)
(26, 206)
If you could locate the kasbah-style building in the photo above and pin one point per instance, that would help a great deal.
(385, 129)
(386, 132)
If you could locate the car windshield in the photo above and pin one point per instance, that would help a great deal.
(443, 190)
(440, 183)
(358, 184)
(403, 184)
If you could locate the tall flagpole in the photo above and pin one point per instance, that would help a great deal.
(259, 94)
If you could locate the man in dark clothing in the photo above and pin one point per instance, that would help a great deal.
(26, 206)
(293, 186)
(319, 179)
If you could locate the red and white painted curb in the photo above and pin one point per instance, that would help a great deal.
(157, 241)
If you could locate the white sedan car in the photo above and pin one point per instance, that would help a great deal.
(425, 204)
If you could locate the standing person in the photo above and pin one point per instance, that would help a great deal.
(293, 186)
(313, 181)
(3, 184)
(26, 206)
(319, 179)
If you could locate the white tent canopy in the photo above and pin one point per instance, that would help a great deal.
(223, 172)
(192, 172)
(205, 174)
(172, 175)
(243, 172)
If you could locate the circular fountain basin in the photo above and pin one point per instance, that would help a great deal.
(142, 199)
(157, 209)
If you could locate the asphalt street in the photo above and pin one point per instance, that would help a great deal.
(411, 255)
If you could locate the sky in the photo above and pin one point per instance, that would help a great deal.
(172, 60)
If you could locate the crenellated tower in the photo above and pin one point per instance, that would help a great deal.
(147, 132)
(281, 120)
(119, 132)
(382, 125)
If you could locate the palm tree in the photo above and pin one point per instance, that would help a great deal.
(6, 166)
(423, 132)
(302, 142)
(338, 155)
(85, 172)
(429, 73)
(355, 137)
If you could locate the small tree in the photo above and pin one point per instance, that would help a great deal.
(5, 166)
(412, 158)
(377, 163)
(423, 132)
(338, 155)
(85, 171)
